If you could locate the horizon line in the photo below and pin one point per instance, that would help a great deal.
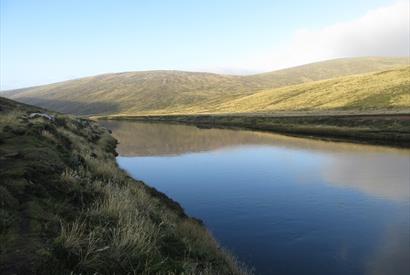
(199, 71)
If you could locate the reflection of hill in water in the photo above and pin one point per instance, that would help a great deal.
(146, 139)
(149, 139)
(378, 171)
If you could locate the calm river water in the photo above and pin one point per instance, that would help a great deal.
(282, 205)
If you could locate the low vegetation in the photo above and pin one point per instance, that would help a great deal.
(66, 208)
(301, 88)
(381, 91)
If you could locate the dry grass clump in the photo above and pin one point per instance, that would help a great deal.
(111, 235)
(79, 246)
(70, 176)
(49, 135)
(104, 169)
(11, 118)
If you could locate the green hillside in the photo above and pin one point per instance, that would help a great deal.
(141, 91)
(161, 92)
(385, 90)
(331, 69)
(67, 208)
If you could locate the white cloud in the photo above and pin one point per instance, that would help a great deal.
(380, 32)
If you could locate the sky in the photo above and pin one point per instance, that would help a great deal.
(49, 41)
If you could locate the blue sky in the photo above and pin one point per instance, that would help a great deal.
(48, 41)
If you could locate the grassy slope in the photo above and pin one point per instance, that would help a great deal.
(375, 91)
(378, 91)
(67, 207)
(183, 92)
(331, 69)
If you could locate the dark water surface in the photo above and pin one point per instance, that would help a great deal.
(282, 205)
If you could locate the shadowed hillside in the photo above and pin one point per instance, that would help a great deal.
(66, 207)
(161, 92)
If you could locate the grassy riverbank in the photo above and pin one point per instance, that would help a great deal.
(66, 207)
(383, 129)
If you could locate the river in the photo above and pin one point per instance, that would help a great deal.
(282, 205)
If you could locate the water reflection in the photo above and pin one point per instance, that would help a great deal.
(284, 205)
(392, 256)
(379, 171)
(390, 173)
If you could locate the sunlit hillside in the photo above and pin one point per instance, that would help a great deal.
(374, 91)
(330, 69)
(163, 92)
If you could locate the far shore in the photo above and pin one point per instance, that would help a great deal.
(387, 128)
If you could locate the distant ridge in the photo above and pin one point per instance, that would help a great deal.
(163, 92)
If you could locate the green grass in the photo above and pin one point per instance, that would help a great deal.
(66, 208)
(174, 92)
(387, 90)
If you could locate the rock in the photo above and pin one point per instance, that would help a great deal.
(44, 115)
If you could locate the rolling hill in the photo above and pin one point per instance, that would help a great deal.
(384, 90)
(167, 92)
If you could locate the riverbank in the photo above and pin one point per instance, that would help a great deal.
(66, 207)
(380, 129)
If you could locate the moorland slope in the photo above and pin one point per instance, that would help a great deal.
(171, 92)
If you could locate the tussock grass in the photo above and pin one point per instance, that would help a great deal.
(103, 169)
(68, 209)
(49, 135)
(11, 118)
(70, 176)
